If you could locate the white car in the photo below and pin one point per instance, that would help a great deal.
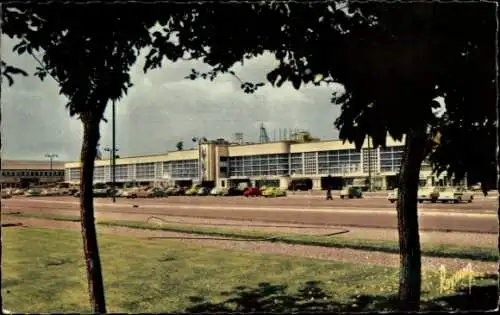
(217, 191)
(392, 196)
(427, 194)
(455, 195)
(6, 194)
(18, 192)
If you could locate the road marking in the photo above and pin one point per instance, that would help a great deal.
(422, 212)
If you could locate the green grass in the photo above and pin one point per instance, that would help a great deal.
(431, 250)
(43, 271)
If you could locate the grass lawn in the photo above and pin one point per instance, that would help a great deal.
(432, 250)
(43, 271)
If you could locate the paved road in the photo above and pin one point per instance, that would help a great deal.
(478, 205)
(479, 216)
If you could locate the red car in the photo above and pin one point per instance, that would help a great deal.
(252, 192)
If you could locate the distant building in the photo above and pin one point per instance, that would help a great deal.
(278, 163)
(19, 173)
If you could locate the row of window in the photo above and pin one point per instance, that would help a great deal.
(181, 169)
(22, 173)
(308, 163)
(390, 159)
(144, 171)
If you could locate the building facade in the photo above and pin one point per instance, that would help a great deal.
(272, 163)
(21, 174)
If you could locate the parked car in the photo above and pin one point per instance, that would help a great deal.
(273, 192)
(102, 192)
(455, 194)
(180, 191)
(203, 191)
(49, 192)
(300, 185)
(17, 192)
(119, 192)
(127, 192)
(351, 192)
(392, 196)
(233, 191)
(6, 194)
(218, 191)
(192, 191)
(33, 192)
(252, 192)
(158, 192)
(428, 194)
(170, 191)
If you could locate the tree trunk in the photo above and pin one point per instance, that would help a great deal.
(91, 250)
(409, 240)
(498, 243)
(498, 207)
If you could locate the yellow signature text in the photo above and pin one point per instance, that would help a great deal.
(450, 283)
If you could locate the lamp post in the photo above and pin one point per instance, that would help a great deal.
(369, 165)
(51, 156)
(200, 140)
(112, 163)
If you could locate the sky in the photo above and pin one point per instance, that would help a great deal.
(161, 109)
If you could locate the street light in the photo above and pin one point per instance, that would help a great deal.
(112, 164)
(51, 156)
(369, 165)
(200, 140)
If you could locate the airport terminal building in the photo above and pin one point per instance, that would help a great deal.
(223, 164)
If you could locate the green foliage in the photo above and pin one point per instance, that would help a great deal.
(393, 61)
(179, 145)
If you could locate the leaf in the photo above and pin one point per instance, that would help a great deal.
(281, 80)
(272, 76)
(15, 70)
(9, 78)
(296, 81)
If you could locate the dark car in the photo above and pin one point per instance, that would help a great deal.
(96, 192)
(303, 186)
(179, 191)
(233, 191)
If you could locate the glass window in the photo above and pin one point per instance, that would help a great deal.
(145, 171)
(74, 174)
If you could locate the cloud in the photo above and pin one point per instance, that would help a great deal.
(161, 109)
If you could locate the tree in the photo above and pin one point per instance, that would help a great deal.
(179, 145)
(393, 61)
(88, 50)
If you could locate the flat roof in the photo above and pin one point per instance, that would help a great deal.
(245, 149)
(31, 165)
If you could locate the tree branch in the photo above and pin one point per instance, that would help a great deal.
(44, 67)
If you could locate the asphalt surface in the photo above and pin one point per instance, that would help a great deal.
(478, 216)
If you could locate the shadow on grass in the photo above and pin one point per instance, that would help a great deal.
(268, 297)
(5, 225)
